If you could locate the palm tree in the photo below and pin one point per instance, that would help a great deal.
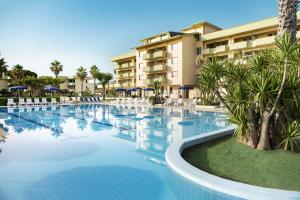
(3, 67)
(261, 96)
(17, 73)
(104, 79)
(157, 87)
(56, 68)
(288, 18)
(94, 71)
(81, 74)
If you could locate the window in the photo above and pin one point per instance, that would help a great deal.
(174, 46)
(174, 60)
(199, 51)
(140, 77)
(171, 90)
(141, 65)
(174, 74)
(140, 54)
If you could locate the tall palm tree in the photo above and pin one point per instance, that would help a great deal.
(104, 79)
(3, 67)
(288, 17)
(56, 68)
(81, 74)
(17, 73)
(94, 70)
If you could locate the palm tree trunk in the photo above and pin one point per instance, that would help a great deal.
(81, 87)
(94, 85)
(288, 18)
(103, 90)
(264, 140)
(252, 128)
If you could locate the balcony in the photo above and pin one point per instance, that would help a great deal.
(118, 76)
(240, 45)
(155, 55)
(156, 68)
(147, 56)
(221, 49)
(132, 74)
(150, 81)
(159, 54)
(132, 64)
(126, 75)
(218, 49)
(208, 51)
(264, 41)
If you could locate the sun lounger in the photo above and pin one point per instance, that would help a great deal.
(37, 101)
(10, 102)
(29, 102)
(44, 101)
(21, 102)
(179, 102)
(168, 102)
(53, 101)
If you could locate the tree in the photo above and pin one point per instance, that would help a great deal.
(261, 95)
(56, 67)
(3, 67)
(288, 18)
(157, 87)
(81, 74)
(17, 73)
(104, 79)
(94, 71)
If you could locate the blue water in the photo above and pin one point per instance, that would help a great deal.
(97, 152)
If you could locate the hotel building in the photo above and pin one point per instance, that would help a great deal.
(73, 84)
(170, 57)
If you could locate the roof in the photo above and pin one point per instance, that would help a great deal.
(201, 23)
(162, 41)
(261, 24)
(171, 33)
(130, 54)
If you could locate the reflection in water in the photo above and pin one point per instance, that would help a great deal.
(151, 129)
(106, 137)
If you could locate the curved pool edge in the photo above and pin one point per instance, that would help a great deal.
(182, 168)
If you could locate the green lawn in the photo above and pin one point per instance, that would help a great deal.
(228, 159)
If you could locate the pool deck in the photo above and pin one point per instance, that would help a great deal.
(241, 190)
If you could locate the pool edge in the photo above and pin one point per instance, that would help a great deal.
(182, 168)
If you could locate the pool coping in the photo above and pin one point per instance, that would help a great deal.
(182, 168)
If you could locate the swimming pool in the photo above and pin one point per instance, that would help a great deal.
(83, 152)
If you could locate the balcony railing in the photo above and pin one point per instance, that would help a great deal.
(155, 55)
(155, 68)
(132, 74)
(240, 45)
(132, 64)
(218, 49)
(221, 49)
(264, 41)
(150, 81)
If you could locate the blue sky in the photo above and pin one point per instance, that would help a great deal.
(85, 32)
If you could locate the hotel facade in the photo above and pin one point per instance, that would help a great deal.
(170, 57)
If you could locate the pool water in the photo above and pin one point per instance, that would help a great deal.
(84, 152)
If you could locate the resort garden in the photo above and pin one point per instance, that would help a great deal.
(262, 98)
